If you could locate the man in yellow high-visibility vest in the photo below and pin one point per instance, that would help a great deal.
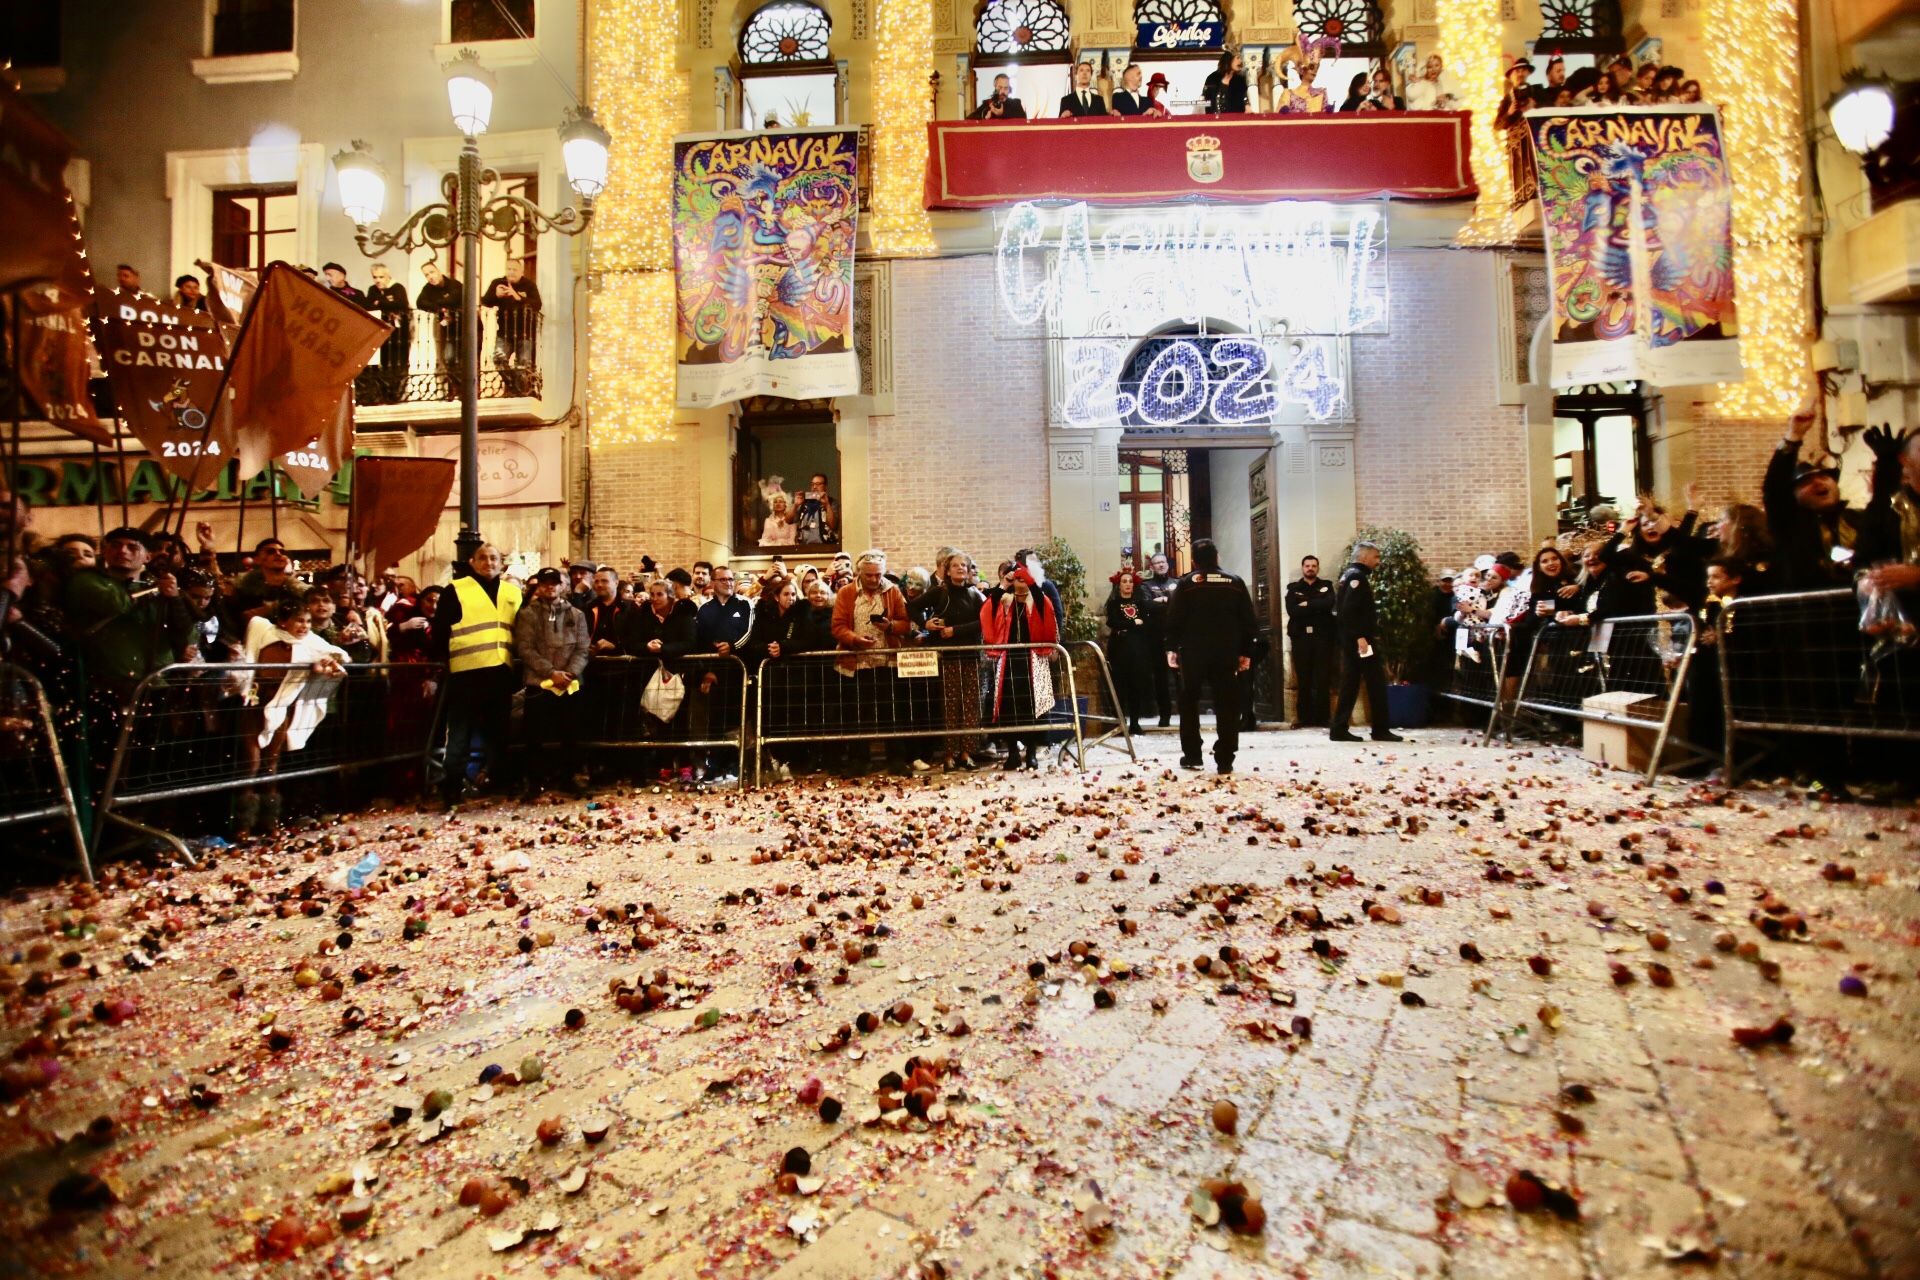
(473, 635)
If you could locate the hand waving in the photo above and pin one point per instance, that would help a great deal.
(1887, 443)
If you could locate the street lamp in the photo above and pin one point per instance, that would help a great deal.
(1862, 114)
(467, 213)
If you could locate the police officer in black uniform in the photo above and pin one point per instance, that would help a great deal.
(1158, 589)
(1310, 625)
(1211, 635)
(1359, 647)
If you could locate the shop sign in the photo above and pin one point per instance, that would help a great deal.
(73, 482)
(517, 468)
(1179, 35)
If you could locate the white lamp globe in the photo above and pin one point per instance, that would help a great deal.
(469, 93)
(1862, 116)
(363, 184)
(583, 146)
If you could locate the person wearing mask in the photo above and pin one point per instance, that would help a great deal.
(473, 636)
(1021, 614)
(720, 628)
(1002, 105)
(1083, 99)
(1310, 626)
(1158, 588)
(949, 613)
(550, 642)
(1225, 90)
(1211, 639)
(1156, 90)
(387, 298)
(1130, 646)
(1360, 657)
(607, 611)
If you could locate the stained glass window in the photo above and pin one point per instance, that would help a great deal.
(1021, 26)
(1351, 22)
(786, 31)
(1177, 12)
(1579, 25)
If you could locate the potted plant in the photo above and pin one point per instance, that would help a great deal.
(1402, 598)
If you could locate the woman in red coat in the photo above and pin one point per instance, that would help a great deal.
(1022, 688)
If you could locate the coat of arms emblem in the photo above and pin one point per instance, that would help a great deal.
(1204, 162)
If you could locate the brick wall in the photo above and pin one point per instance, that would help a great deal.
(1729, 455)
(1435, 454)
(963, 458)
(646, 499)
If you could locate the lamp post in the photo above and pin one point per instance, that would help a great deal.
(466, 214)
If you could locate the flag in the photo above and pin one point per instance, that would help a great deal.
(230, 290)
(299, 350)
(311, 467)
(42, 242)
(56, 359)
(165, 364)
(396, 506)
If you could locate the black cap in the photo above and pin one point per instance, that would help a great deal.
(130, 533)
(1802, 472)
(1511, 559)
(583, 566)
(549, 574)
(680, 576)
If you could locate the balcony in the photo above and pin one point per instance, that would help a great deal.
(420, 364)
(1230, 159)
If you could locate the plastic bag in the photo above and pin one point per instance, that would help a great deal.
(1882, 620)
(663, 695)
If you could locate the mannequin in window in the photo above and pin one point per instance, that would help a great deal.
(1084, 99)
(1002, 105)
(1130, 101)
(1226, 89)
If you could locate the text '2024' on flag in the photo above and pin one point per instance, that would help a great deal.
(299, 350)
(165, 364)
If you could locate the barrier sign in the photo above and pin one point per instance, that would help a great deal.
(913, 664)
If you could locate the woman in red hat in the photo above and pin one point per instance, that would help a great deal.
(1155, 87)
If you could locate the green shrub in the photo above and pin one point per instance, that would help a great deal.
(1402, 596)
(1070, 576)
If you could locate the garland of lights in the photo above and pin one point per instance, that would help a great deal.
(640, 93)
(1754, 74)
(1177, 386)
(903, 50)
(1470, 44)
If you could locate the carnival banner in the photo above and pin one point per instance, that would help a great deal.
(1637, 207)
(165, 364)
(763, 228)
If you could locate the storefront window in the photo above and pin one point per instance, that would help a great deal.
(786, 486)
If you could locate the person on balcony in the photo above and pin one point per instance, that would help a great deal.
(1083, 99)
(387, 298)
(1434, 90)
(1130, 101)
(1002, 105)
(1304, 97)
(517, 301)
(1155, 88)
(1379, 95)
(1225, 92)
(334, 278)
(440, 297)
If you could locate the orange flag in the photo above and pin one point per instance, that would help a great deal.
(299, 350)
(311, 467)
(41, 242)
(165, 364)
(396, 506)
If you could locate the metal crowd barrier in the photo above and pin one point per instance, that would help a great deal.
(1642, 656)
(610, 714)
(196, 729)
(1092, 674)
(943, 691)
(33, 774)
(1479, 673)
(1799, 664)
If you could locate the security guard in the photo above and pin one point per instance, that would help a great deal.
(473, 635)
(1211, 635)
(1310, 626)
(1359, 648)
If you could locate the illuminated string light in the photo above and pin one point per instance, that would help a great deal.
(898, 225)
(641, 95)
(1470, 44)
(1753, 62)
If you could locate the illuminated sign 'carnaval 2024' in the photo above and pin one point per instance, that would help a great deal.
(1278, 274)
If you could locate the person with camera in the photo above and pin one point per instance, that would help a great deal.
(1002, 105)
(870, 617)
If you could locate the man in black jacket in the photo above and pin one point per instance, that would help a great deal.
(1211, 637)
(440, 297)
(1158, 589)
(1002, 105)
(1130, 99)
(1310, 625)
(1817, 538)
(1084, 99)
(1359, 654)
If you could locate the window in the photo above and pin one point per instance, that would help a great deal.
(1580, 26)
(30, 35)
(1603, 449)
(1021, 27)
(787, 75)
(781, 445)
(475, 20)
(242, 27)
(254, 226)
(1356, 24)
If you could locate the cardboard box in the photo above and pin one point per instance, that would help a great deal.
(1620, 746)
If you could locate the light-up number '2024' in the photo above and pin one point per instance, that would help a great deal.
(1179, 384)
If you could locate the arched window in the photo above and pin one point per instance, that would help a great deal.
(1356, 24)
(1180, 40)
(1580, 26)
(1181, 13)
(786, 31)
(1021, 27)
(787, 74)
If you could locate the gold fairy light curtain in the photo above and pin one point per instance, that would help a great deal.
(1470, 33)
(902, 106)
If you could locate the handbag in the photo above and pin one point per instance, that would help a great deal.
(1043, 699)
(664, 692)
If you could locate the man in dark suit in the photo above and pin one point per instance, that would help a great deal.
(1211, 638)
(1084, 100)
(1359, 653)
(1310, 625)
(1002, 105)
(1130, 100)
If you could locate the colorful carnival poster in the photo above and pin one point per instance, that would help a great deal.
(1637, 205)
(763, 227)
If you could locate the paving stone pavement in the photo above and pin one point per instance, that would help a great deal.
(1386, 1085)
